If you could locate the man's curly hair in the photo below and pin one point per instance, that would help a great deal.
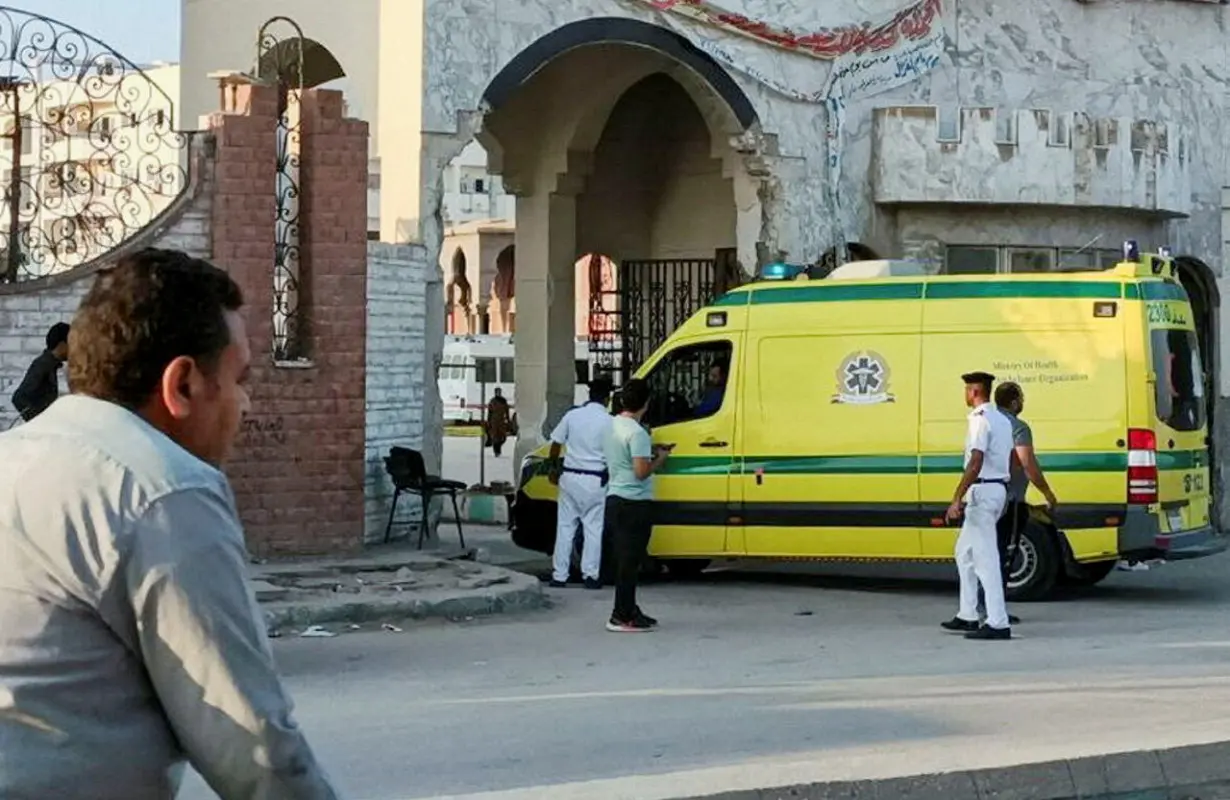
(152, 307)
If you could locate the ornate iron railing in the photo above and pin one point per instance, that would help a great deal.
(633, 311)
(89, 154)
(280, 62)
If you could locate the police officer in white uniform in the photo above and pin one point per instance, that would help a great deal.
(582, 480)
(982, 494)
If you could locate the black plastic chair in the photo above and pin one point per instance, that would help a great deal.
(409, 474)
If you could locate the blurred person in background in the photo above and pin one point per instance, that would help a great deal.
(41, 385)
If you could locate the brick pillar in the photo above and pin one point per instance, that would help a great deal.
(243, 241)
(298, 470)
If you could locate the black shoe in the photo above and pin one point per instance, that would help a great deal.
(958, 625)
(643, 617)
(637, 625)
(593, 583)
(554, 584)
(987, 633)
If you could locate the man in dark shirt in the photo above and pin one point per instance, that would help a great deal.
(715, 389)
(41, 386)
(1024, 471)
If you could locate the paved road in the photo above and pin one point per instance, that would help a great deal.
(762, 678)
(461, 461)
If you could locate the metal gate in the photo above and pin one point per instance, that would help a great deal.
(89, 153)
(635, 305)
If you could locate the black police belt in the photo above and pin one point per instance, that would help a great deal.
(601, 474)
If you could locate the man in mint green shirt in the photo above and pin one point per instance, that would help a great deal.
(631, 460)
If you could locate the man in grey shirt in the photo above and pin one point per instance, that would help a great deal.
(1024, 469)
(129, 638)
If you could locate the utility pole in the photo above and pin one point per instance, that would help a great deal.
(11, 87)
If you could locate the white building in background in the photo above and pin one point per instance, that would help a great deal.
(99, 159)
(366, 58)
(472, 193)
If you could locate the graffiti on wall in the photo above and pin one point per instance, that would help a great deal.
(263, 431)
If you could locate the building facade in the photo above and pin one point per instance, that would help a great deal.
(472, 193)
(684, 138)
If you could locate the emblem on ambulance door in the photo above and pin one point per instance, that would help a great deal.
(862, 379)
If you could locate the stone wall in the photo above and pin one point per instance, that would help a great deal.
(1159, 61)
(400, 285)
(29, 308)
(1030, 157)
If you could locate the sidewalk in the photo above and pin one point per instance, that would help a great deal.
(323, 597)
(495, 546)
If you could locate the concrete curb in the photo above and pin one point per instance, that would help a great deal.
(520, 593)
(1200, 772)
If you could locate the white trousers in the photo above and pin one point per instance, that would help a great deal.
(581, 497)
(978, 555)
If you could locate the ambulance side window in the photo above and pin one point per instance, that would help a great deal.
(689, 383)
(1180, 379)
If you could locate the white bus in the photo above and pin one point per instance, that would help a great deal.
(468, 357)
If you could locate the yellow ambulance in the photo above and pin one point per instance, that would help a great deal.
(840, 427)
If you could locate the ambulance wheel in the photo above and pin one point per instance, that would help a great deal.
(1085, 575)
(1036, 568)
(686, 568)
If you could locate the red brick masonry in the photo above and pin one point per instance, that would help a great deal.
(298, 472)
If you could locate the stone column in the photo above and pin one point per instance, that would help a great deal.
(545, 337)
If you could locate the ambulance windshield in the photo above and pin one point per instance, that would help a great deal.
(1180, 379)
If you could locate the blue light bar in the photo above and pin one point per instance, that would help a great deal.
(1164, 252)
(780, 272)
(1131, 251)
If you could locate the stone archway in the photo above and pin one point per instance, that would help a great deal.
(504, 292)
(658, 201)
(617, 137)
(1200, 284)
(458, 295)
(619, 30)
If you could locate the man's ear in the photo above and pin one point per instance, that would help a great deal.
(181, 382)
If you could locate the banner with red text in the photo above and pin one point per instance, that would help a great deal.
(910, 24)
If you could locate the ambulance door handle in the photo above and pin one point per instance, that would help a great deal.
(713, 443)
(1170, 444)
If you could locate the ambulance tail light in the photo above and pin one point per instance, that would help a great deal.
(1142, 467)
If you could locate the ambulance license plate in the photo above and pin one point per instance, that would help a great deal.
(1174, 517)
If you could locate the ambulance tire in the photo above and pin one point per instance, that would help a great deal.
(687, 568)
(1037, 566)
(1086, 575)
